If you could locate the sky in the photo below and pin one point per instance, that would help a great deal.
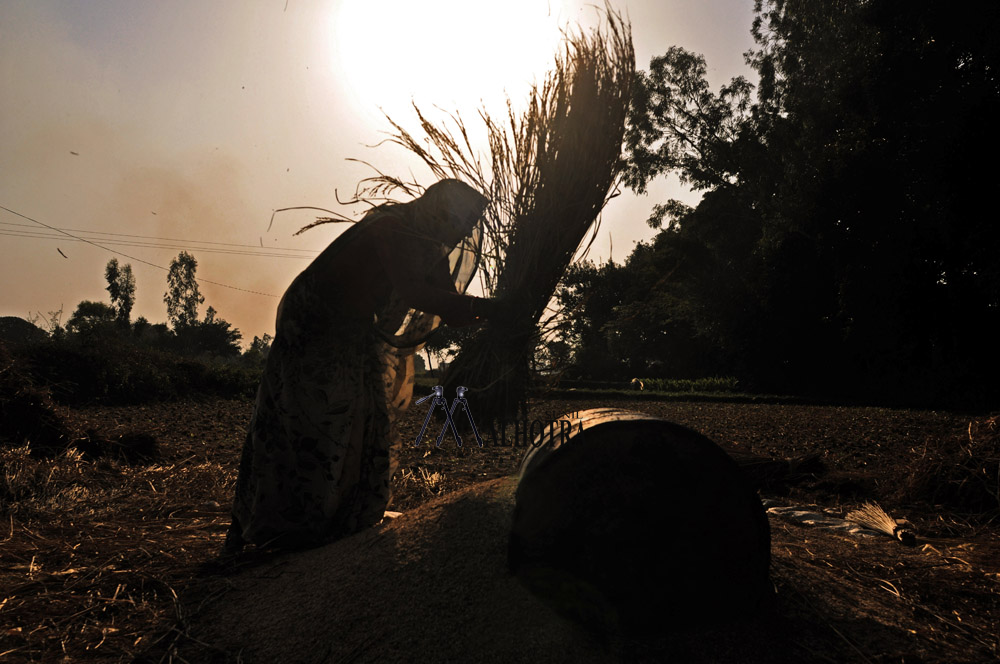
(154, 126)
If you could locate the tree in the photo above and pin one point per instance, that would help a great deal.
(89, 316)
(121, 286)
(18, 331)
(183, 295)
(154, 335)
(255, 356)
(879, 119)
(588, 295)
(841, 240)
(219, 336)
(688, 297)
(447, 342)
(555, 355)
(259, 348)
(676, 124)
(211, 336)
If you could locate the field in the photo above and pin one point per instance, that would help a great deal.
(108, 560)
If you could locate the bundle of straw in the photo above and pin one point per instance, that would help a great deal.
(871, 515)
(552, 169)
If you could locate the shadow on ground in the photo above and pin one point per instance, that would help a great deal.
(433, 586)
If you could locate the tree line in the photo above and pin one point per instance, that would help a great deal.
(183, 333)
(845, 241)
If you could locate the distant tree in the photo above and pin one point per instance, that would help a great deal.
(684, 297)
(255, 355)
(140, 326)
(154, 335)
(588, 295)
(183, 295)
(446, 341)
(121, 286)
(555, 355)
(89, 316)
(259, 347)
(211, 336)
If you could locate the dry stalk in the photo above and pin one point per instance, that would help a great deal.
(551, 170)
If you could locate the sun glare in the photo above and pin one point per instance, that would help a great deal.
(455, 54)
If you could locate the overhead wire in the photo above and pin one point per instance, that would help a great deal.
(265, 253)
(157, 242)
(123, 254)
(81, 231)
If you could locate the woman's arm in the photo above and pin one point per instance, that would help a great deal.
(440, 276)
(418, 289)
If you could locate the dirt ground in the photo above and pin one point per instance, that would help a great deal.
(103, 561)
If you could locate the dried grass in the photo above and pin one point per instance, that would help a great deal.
(880, 602)
(424, 483)
(550, 172)
(962, 475)
(94, 553)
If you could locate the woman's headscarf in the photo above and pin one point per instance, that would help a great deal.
(445, 221)
(448, 211)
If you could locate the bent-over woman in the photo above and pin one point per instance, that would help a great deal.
(321, 448)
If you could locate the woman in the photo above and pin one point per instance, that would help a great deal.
(320, 452)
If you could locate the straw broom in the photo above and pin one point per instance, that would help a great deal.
(871, 515)
(551, 171)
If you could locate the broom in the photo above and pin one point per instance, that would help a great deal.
(872, 516)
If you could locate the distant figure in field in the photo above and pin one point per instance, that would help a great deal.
(637, 385)
(321, 449)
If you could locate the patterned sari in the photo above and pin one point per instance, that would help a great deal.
(321, 448)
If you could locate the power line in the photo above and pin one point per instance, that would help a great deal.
(119, 253)
(165, 239)
(40, 235)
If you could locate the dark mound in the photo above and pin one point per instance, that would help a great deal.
(29, 416)
(635, 524)
(16, 331)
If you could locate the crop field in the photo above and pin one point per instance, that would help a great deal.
(115, 555)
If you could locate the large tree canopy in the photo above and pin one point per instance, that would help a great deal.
(844, 241)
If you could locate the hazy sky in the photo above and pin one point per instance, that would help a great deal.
(191, 120)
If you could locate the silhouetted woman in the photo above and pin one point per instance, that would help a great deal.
(321, 448)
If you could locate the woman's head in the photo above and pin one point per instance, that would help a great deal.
(448, 211)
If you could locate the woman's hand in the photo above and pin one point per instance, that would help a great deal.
(493, 308)
(469, 312)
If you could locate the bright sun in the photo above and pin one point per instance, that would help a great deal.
(450, 53)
